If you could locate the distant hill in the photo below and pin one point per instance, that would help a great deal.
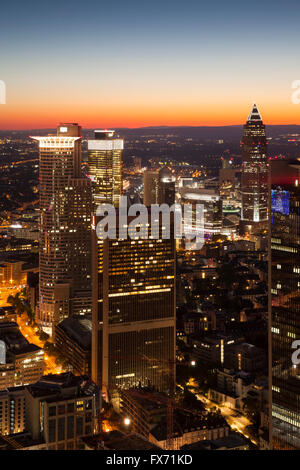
(200, 132)
(210, 132)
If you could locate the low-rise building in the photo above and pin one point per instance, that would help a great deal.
(233, 441)
(246, 357)
(61, 409)
(116, 440)
(231, 388)
(213, 348)
(21, 363)
(12, 410)
(73, 337)
(147, 412)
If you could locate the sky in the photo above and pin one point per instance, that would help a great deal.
(148, 63)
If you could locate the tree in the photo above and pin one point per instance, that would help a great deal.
(21, 306)
(43, 336)
(16, 303)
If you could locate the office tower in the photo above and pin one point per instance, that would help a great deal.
(212, 208)
(254, 174)
(159, 187)
(150, 187)
(65, 206)
(133, 334)
(105, 167)
(166, 187)
(61, 409)
(284, 305)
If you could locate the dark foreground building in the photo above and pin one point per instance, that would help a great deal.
(133, 335)
(285, 303)
(61, 409)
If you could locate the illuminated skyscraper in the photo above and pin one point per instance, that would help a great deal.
(254, 173)
(105, 167)
(284, 305)
(133, 336)
(65, 247)
(159, 187)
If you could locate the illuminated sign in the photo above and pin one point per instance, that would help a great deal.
(280, 201)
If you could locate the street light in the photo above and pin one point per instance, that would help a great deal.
(127, 421)
(193, 363)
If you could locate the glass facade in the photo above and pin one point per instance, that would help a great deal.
(285, 304)
(105, 167)
(254, 170)
(65, 205)
(133, 311)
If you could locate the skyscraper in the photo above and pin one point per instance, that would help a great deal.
(65, 220)
(159, 187)
(150, 187)
(284, 304)
(254, 173)
(133, 336)
(105, 167)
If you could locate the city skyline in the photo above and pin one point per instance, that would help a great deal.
(160, 65)
(150, 228)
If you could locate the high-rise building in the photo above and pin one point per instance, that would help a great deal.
(150, 187)
(212, 209)
(166, 187)
(65, 206)
(284, 304)
(159, 187)
(105, 167)
(133, 334)
(254, 174)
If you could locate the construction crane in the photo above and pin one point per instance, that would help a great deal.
(11, 442)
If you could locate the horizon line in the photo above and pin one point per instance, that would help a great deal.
(148, 127)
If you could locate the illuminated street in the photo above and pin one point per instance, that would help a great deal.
(6, 291)
(237, 421)
(29, 333)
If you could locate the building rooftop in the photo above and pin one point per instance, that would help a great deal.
(116, 440)
(232, 441)
(18, 441)
(79, 329)
(185, 422)
(16, 343)
(66, 385)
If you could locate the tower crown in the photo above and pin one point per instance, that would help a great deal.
(254, 114)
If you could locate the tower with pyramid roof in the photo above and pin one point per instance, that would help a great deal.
(255, 166)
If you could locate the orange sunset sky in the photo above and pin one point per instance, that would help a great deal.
(131, 64)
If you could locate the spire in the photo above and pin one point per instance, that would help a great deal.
(254, 114)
